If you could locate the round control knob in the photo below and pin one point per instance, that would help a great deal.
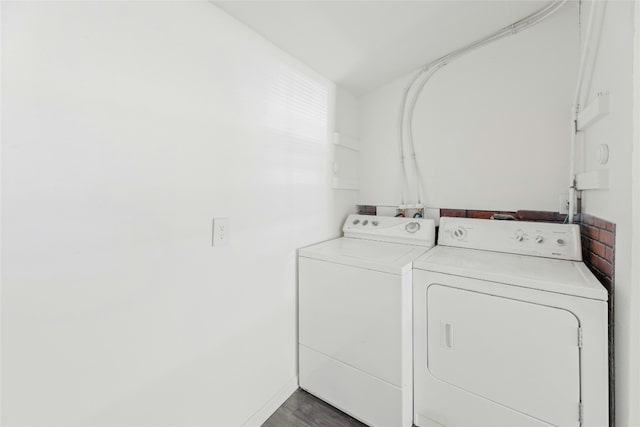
(519, 238)
(356, 221)
(459, 233)
(560, 242)
(374, 223)
(365, 222)
(539, 239)
(412, 227)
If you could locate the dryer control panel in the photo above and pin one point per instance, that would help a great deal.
(410, 231)
(561, 241)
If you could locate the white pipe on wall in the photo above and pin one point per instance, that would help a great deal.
(427, 71)
(633, 410)
(575, 110)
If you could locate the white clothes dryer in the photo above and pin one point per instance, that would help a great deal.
(355, 317)
(510, 328)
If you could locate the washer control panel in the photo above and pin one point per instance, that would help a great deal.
(549, 240)
(412, 231)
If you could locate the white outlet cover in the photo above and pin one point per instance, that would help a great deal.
(220, 234)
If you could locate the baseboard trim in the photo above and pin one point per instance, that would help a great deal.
(257, 419)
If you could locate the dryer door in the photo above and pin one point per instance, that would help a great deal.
(517, 354)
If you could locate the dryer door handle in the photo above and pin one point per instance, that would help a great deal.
(447, 335)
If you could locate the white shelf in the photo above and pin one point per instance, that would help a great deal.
(345, 184)
(344, 141)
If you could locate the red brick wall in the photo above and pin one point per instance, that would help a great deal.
(537, 216)
(367, 210)
(598, 248)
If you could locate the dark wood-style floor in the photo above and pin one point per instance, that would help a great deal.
(305, 410)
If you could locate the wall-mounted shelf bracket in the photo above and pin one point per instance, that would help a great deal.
(594, 111)
(593, 180)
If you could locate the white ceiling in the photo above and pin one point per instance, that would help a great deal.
(362, 45)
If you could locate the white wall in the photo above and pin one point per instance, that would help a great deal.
(491, 129)
(613, 73)
(126, 127)
(634, 396)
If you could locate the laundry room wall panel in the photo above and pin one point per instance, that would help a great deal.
(611, 72)
(126, 127)
(491, 128)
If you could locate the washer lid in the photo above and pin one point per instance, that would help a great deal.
(379, 256)
(552, 275)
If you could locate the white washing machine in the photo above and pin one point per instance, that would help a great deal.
(355, 317)
(510, 328)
